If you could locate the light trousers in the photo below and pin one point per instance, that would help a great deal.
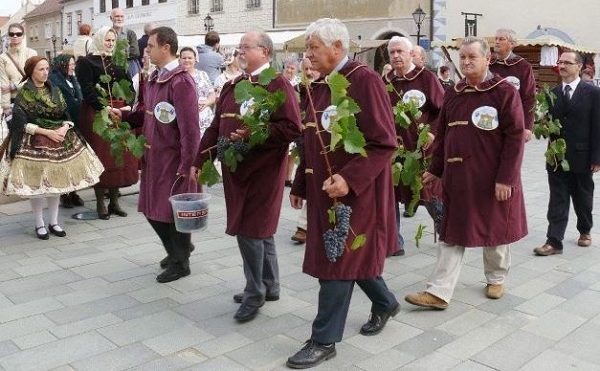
(302, 218)
(443, 279)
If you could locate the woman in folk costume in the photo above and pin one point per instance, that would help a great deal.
(46, 155)
(63, 77)
(89, 70)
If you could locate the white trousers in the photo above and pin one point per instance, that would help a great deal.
(302, 218)
(496, 263)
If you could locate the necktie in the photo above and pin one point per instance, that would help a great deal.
(567, 92)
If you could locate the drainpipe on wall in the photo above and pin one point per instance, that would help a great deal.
(273, 26)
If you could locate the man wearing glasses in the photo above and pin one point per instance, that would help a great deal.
(254, 191)
(517, 71)
(11, 66)
(577, 106)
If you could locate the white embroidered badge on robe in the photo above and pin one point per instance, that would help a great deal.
(485, 118)
(328, 116)
(514, 81)
(415, 97)
(164, 112)
(246, 107)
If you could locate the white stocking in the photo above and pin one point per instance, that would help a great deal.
(38, 216)
(53, 202)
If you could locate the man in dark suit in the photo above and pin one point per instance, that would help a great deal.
(578, 108)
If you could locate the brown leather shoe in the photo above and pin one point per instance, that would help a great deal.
(299, 236)
(494, 291)
(546, 250)
(425, 299)
(585, 240)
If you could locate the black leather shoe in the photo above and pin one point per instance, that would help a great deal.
(173, 273)
(377, 322)
(42, 236)
(311, 354)
(163, 263)
(239, 297)
(399, 252)
(56, 232)
(246, 312)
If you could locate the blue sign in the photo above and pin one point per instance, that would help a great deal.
(425, 43)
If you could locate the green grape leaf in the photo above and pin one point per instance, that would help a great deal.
(100, 122)
(389, 87)
(267, 75)
(565, 165)
(230, 159)
(209, 174)
(354, 141)
(242, 91)
(105, 78)
(419, 234)
(137, 146)
(338, 84)
(331, 215)
(359, 241)
(396, 172)
(120, 53)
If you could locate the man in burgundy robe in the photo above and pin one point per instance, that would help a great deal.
(411, 82)
(478, 153)
(517, 71)
(361, 182)
(173, 141)
(254, 191)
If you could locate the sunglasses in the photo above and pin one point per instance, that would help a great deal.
(15, 34)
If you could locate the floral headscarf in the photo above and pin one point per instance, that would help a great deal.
(61, 64)
(98, 41)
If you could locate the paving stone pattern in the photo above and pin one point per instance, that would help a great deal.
(90, 301)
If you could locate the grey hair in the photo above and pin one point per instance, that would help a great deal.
(421, 50)
(149, 27)
(511, 35)
(265, 41)
(401, 39)
(329, 30)
(291, 60)
(483, 44)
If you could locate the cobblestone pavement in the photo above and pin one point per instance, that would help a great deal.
(90, 301)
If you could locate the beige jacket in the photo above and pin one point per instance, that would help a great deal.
(9, 74)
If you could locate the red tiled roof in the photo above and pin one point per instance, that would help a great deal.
(47, 7)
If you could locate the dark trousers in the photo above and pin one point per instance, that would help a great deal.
(334, 302)
(260, 268)
(565, 186)
(176, 244)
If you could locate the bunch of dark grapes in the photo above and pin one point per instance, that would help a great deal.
(335, 239)
(222, 144)
(239, 146)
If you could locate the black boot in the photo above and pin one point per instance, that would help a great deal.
(311, 354)
(174, 271)
(65, 201)
(113, 205)
(75, 199)
(100, 207)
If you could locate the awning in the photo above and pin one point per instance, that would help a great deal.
(233, 39)
(298, 44)
(545, 41)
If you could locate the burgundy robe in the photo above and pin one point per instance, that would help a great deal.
(253, 193)
(516, 68)
(426, 82)
(369, 178)
(173, 146)
(471, 161)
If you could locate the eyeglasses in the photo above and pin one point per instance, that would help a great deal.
(245, 48)
(15, 34)
(567, 63)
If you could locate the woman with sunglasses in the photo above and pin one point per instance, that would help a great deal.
(11, 66)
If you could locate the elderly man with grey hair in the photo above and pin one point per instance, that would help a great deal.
(362, 182)
(516, 70)
(419, 56)
(410, 82)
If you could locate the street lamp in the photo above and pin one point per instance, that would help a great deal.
(419, 17)
(209, 23)
(53, 39)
